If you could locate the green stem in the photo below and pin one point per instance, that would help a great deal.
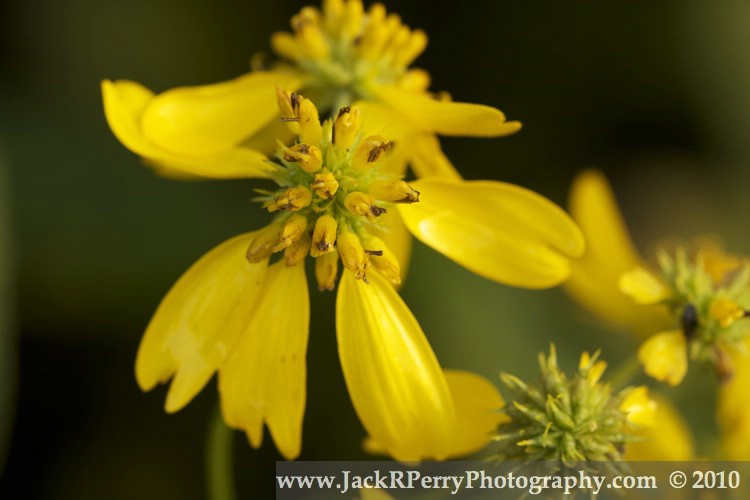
(219, 463)
(624, 374)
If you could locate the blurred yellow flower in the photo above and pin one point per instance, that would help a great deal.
(733, 410)
(235, 313)
(339, 56)
(705, 294)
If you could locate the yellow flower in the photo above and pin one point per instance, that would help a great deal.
(341, 55)
(235, 313)
(733, 412)
(668, 438)
(705, 295)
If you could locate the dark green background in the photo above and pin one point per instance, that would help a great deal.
(654, 93)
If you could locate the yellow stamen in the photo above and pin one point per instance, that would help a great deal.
(292, 199)
(353, 256)
(363, 204)
(310, 158)
(293, 229)
(345, 127)
(396, 191)
(325, 185)
(324, 236)
(326, 270)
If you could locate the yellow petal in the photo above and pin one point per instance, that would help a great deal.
(478, 405)
(378, 119)
(500, 231)
(643, 287)
(397, 238)
(477, 402)
(198, 321)
(733, 410)
(428, 160)
(664, 356)
(264, 376)
(397, 387)
(124, 103)
(609, 253)
(210, 118)
(640, 408)
(669, 439)
(447, 117)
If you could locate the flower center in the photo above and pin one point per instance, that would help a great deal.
(333, 195)
(346, 50)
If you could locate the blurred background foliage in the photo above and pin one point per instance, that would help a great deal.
(654, 93)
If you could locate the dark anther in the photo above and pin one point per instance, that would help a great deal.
(344, 110)
(376, 210)
(689, 321)
(284, 119)
(378, 150)
(294, 100)
(323, 246)
(377, 253)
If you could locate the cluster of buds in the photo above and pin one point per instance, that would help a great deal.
(571, 419)
(345, 46)
(332, 196)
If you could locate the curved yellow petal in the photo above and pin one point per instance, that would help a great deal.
(477, 402)
(124, 104)
(397, 238)
(208, 119)
(264, 376)
(664, 356)
(500, 231)
(668, 439)
(428, 159)
(397, 387)
(733, 410)
(447, 117)
(378, 119)
(197, 322)
(640, 407)
(643, 287)
(478, 405)
(610, 252)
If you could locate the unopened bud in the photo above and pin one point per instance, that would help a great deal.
(294, 227)
(310, 131)
(353, 256)
(310, 158)
(325, 185)
(324, 236)
(345, 127)
(395, 191)
(261, 247)
(369, 151)
(363, 204)
(292, 199)
(296, 252)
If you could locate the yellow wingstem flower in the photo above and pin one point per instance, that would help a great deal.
(236, 313)
(704, 293)
(342, 54)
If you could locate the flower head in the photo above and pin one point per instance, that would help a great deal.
(341, 55)
(237, 313)
(571, 419)
(696, 298)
